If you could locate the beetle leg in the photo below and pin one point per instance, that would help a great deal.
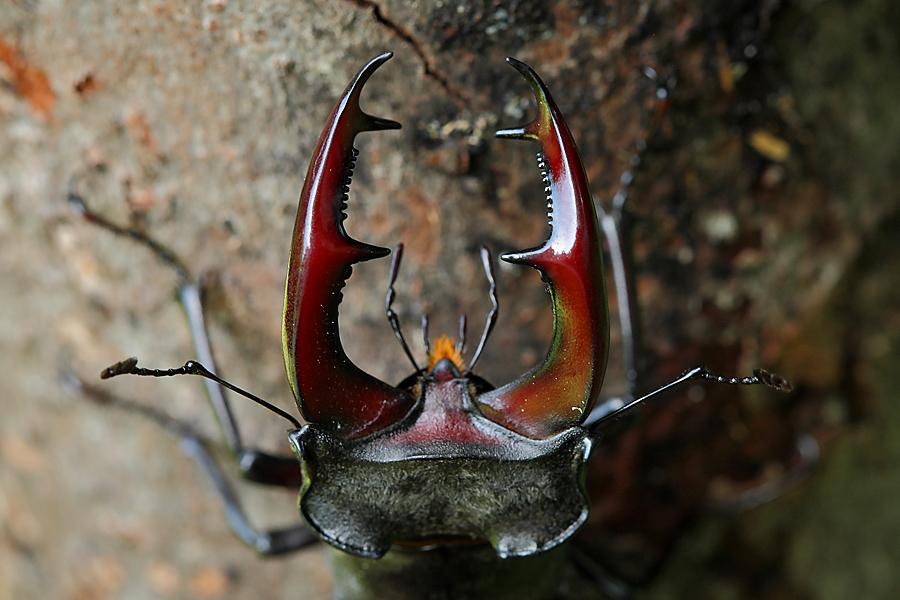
(255, 465)
(270, 542)
(616, 229)
(609, 586)
(616, 226)
(807, 457)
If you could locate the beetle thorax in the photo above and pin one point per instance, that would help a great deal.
(445, 472)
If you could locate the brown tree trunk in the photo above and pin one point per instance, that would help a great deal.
(765, 218)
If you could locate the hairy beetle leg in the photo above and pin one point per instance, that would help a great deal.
(616, 227)
(616, 224)
(189, 296)
(267, 543)
(255, 465)
(761, 491)
(193, 444)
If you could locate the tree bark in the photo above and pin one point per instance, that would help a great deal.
(765, 208)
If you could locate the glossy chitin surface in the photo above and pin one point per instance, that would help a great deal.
(561, 390)
(333, 393)
(330, 390)
(453, 468)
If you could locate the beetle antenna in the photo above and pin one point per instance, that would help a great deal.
(389, 301)
(425, 334)
(488, 262)
(75, 385)
(760, 377)
(129, 367)
(461, 344)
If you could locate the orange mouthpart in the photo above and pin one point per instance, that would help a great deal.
(445, 347)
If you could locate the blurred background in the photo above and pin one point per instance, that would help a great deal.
(765, 219)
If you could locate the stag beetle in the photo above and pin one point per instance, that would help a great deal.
(442, 486)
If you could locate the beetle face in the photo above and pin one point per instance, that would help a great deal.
(444, 474)
(444, 458)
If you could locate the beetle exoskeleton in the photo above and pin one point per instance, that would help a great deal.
(440, 459)
(442, 482)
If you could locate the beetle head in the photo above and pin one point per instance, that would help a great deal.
(443, 456)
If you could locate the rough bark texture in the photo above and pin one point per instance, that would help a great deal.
(766, 217)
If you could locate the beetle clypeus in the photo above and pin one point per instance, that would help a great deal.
(441, 486)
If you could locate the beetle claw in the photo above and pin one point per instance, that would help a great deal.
(330, 390)
(561, 390)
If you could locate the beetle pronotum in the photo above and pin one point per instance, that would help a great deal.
(443, 485)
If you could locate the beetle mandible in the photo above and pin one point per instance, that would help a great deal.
(442, 485)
